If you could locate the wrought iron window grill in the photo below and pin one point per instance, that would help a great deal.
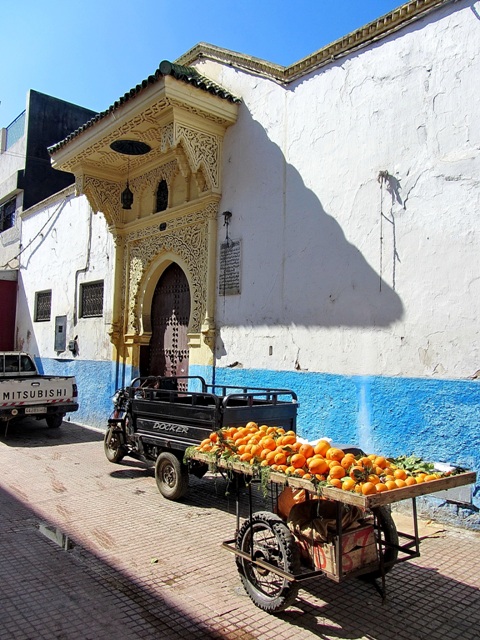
(91, 299)
(43, 306)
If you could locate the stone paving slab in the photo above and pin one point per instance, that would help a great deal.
(144, 567)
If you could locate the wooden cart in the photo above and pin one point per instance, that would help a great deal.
(273, 560)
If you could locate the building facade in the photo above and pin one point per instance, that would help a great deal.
(310, 228)
(27, 178)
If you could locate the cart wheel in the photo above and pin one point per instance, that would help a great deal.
(171, 476)
(268, 538)
(389, 534)
(113, 445)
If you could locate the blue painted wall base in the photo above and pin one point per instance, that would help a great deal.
(437, 420)
(97, 382)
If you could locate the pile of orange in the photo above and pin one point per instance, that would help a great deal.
(280, 450)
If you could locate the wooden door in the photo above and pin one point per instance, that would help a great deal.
(168, 352)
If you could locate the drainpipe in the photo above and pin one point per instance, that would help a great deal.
(84, 270)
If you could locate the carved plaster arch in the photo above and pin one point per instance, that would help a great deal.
(147, 286)
(186, 238)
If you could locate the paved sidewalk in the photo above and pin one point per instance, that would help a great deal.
(138, 566)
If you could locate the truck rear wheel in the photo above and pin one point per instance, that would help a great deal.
(171, 476)
(265, 537)
(54, 421)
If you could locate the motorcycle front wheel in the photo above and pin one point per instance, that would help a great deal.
(113, 445)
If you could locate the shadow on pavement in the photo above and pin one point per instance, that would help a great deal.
(34, 433)
(420, 603)
(51, 592)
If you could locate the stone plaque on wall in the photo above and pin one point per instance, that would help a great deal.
(229, 273)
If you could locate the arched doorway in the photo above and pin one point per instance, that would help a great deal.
(168, 349)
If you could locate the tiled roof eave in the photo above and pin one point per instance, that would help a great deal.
(189, 75)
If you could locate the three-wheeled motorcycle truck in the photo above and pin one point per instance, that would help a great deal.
(155, 420)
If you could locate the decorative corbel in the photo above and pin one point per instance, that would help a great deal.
(209, 333)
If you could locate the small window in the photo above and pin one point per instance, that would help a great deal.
(91, 300)
(7, 215)
(12, 364)
(162, 196)
(26, 364)
(43, 306)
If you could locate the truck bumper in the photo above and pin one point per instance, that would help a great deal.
(16, 412)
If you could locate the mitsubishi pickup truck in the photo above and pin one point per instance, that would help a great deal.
(24, 392)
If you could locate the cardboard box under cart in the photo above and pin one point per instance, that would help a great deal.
(359, 549)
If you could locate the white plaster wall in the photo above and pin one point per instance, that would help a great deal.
(55, 237)
(319, 285)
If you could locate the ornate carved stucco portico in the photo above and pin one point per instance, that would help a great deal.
(183, 123)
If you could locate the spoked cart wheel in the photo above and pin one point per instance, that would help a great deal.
(265, 537)
(387, 536)
(171, 476)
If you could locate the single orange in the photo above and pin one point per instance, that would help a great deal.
(322, 447)
(335, 482)
(391, 484)
(400, 474)
(298, 460)
(268, 443)
(400, 483)
(337, 472)
(358, 473)
(334, 454)
(348, 484)
(382, 462)
(348, 461)
(379, 487)
(365, 462)
(368, 488)
(306, 450)
(318, 465)
(270, 456)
